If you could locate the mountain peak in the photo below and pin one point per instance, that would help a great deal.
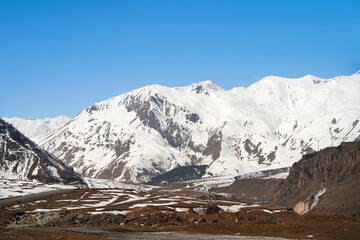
(206, 82)
(310, 76)
(204, 87)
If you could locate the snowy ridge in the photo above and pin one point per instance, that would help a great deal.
(151, 130)
(38, 128)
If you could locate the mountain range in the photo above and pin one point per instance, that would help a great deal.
(154, 129)
(38, 128)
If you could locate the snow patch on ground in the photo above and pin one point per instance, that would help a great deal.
(152, 204)
(179, 209)
(115, 212)
(16, 188)
(200, 210)
(233, 208)
(116, 185)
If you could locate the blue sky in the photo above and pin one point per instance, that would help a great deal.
(58, 57)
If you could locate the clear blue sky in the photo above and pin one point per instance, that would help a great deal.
(58, 57)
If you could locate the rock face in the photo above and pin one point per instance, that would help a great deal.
(38, 128)
(328, 179)
(22, 159)
(149, 131)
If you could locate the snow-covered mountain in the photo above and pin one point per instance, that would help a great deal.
(38, 128)
(154, 129)
(22, 159)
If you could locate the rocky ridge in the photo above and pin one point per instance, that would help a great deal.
(328, 179)
(22, 159)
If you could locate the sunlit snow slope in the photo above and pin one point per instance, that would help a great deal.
(153, 129)
(38, 128)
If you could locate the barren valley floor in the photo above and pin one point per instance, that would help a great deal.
(158, 213)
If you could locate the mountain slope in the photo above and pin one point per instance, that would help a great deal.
(22, 159)
(38, 128)
(325, 182)
(154, 129)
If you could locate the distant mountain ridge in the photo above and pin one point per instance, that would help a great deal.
(38, 128)
(183, 173)
(22, 159)
(154, 129)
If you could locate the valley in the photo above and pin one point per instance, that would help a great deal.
(277, 160)
(120, 213)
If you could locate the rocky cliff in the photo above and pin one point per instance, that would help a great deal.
(325, 182)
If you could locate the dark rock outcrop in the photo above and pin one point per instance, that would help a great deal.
(22, 159)
(334, 169)
(182, 173)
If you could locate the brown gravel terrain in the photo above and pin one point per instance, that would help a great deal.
(116, 211)
(250, 190)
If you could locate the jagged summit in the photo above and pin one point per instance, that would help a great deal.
(199, 87)
(204, 87)
(155, 93)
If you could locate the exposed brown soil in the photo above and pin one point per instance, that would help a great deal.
(168, 209)
(249, 221)
(31, 234)
(250, 190)
(255, 224)
(335, 170)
